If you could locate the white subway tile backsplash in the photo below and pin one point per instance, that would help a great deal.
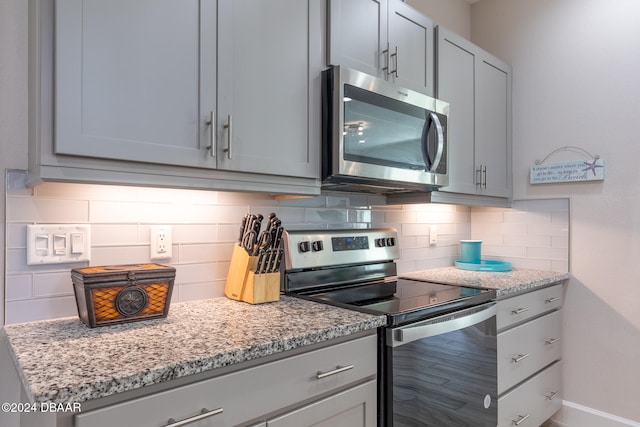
(206, 226)
(209, 252)
(117, 234)
(52, 284)
(19, 287)
(533, 233)
(29, 310)
(31, 209)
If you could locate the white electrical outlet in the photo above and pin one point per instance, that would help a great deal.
(433, 234)
(161, 242)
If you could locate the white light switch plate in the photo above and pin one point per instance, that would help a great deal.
(58, 243)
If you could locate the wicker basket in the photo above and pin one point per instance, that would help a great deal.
(111, 294)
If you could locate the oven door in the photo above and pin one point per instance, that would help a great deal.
(442, 371)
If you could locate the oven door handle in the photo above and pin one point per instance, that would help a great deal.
(441, 324)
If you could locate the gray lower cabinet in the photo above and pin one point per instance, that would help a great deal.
(351, 408)
(383, 38)
(529, 357)
(194, 93)
(332, 386)
(478, 87)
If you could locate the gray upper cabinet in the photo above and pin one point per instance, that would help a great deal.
(269, 86)
(478, 87)
(220, 94)
(127, 87)
(383, 38)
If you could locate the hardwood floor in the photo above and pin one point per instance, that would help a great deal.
(442, 381)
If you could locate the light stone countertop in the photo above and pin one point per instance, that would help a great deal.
(507, 283)
(64, 361)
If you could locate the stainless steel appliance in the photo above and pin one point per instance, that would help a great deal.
(381, 138)
(437, 353)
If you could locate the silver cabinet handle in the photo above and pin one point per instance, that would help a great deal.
(229, 128)
(520, 310)
(212, 133)
(387, 60)
(520, 420)
(552, 395)
(205, 413)
(484, 177)
(550, 300)
(395, 71)
(479, 175)
(320, 375)
(552, 341)
(519, 358)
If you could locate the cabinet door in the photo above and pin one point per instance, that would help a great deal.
(355, 407)
(493, 125)
(358, 35)
(411, 47)
(478, 88)
(456, 77)
(130, 82)
(269, 64)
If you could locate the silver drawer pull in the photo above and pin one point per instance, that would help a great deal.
(550, 300)
(520, 420)
(551, 396)
(519, 358)
(552, 341)
(520, 310)
(204, 413)
(320, 375)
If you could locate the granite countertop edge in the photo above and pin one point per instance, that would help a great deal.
(32, 348)
(506, 284)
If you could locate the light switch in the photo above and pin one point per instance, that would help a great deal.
(58, 243)
(42, 244)
(77, 243)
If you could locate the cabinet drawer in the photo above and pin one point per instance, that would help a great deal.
(355, 407)
(526, 349)
(249, 393)
(512, 311)
(534, 401)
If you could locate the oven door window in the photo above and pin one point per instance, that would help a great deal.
(445, 380)
(382, 131)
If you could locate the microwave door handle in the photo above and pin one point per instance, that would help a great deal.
(434, 120)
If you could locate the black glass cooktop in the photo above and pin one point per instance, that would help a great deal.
(403, 300)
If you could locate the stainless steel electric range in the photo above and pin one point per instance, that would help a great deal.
(437, 353)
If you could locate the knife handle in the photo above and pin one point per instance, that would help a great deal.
(259, 262)
(280, 255)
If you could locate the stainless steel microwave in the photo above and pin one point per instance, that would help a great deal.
(381, 138)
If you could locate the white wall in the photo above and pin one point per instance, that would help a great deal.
(13, 101)
(453, 14)
(576, 65)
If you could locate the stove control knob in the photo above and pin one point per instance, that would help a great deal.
(380, 243)
(304, 247)
(391, 241)
(317, 246)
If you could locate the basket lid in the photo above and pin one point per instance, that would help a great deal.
(107, 273)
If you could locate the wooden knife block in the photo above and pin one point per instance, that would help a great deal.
(243, 284)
